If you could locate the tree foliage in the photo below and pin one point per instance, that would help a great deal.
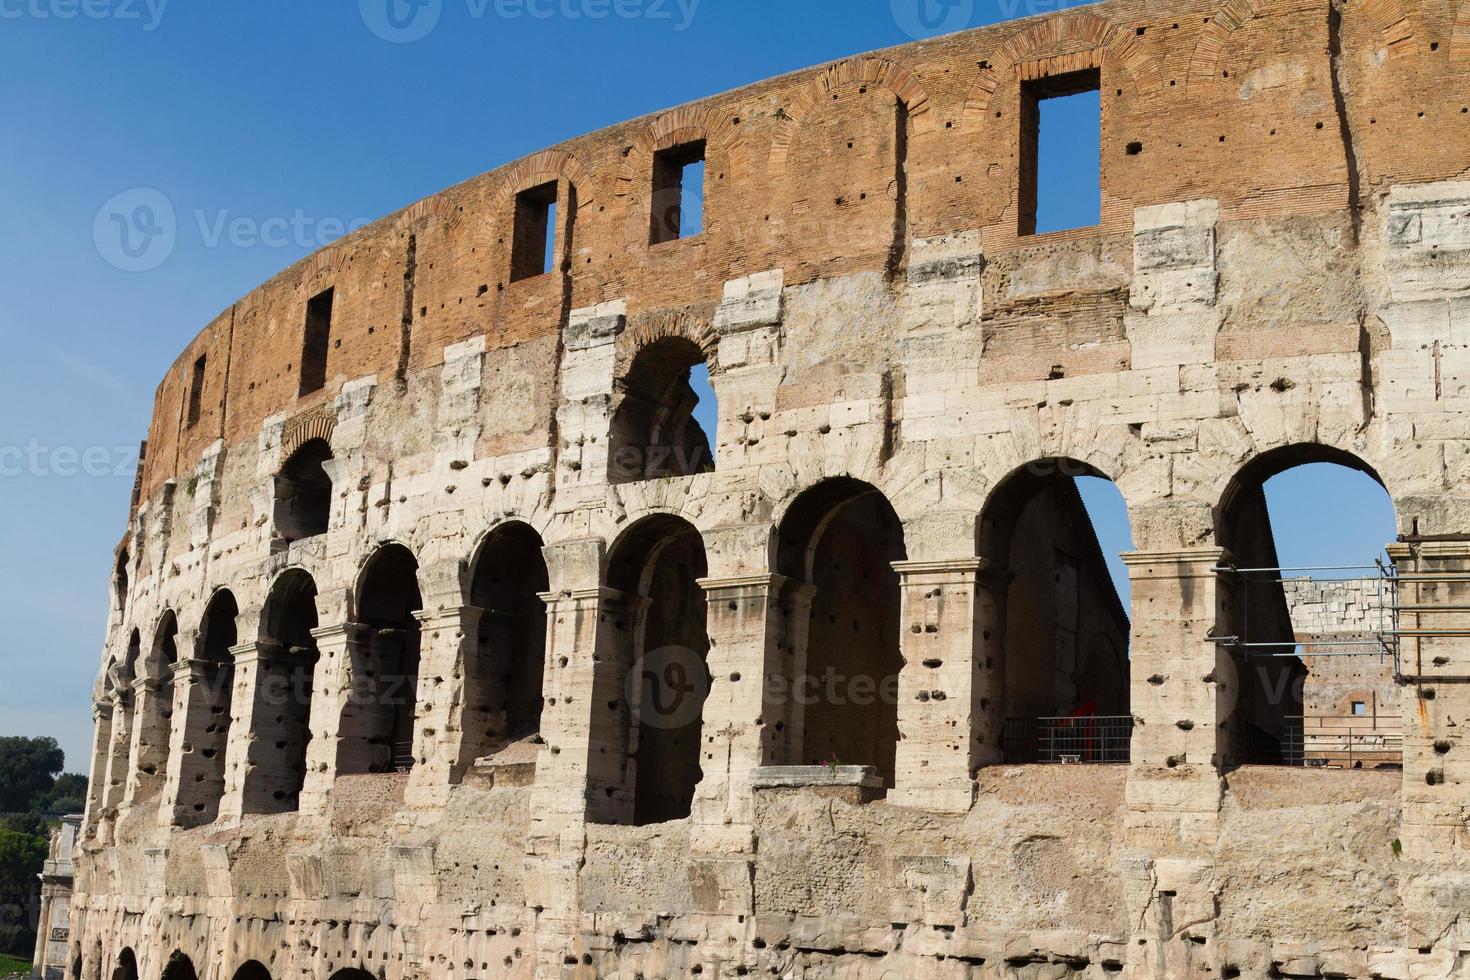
(28, 768)
(30, 788)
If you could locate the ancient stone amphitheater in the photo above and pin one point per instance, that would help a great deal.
(443, 644)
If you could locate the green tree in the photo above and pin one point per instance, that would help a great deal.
(67, 795)
(21, 859)
(28, 768)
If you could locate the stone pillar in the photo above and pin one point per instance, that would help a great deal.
(101, 755)
(450, 683)
(951, 689)
(201, 704)
(154, 706)
(752, 714)
(333, 710)
(1183, 690)
(270, 703)
(119, 749)
(1434, 666)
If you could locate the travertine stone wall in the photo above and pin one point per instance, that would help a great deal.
(1277, 277)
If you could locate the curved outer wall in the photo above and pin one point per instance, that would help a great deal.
(1280, 262)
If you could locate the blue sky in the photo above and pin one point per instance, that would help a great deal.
(267, 127)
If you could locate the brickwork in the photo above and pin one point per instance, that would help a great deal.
(1277, 278)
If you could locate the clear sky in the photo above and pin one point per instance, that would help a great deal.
(266, 127)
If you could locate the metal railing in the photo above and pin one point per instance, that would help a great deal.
(1082, 740)
(1329, 742)
(402, 756)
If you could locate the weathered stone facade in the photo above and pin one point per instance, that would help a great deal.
(412, 515)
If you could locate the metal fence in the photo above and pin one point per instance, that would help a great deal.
(1350, 742)
(1068, 741)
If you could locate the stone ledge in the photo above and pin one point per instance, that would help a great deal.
(802, 777)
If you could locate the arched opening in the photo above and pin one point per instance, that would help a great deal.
(503, 697)
(218, 635)
(156, 709)
(841, 538)
(252, 971)
(120, 582)
(656, 564)
(352, 974)
(1061, 615)
(657, 428)
(303, 505)
(179, 967)
(1309, 611)
(127, 966)
(381, 712)
(275, 762)
(118, 686)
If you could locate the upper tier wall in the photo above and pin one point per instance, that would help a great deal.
(838, 168)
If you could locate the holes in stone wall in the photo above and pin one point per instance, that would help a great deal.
(678, 193)
(533, 242)
(1060, 152)
(315, 342)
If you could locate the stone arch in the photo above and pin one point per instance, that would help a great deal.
(840, 539)
(1077, 29)
(904, 84)
(1270, 692)
(1057, 621)
(352, 973)
(503, 679)
(541, 168)
(209, 735)
(307, 427)
(286, 651)
(1387, 17)
(378, 728)
(154, 707)
(654, 432)
(179, 967)
(725, 153)
(127, 965)
(253, 970)
(655, 565)
(303, 492)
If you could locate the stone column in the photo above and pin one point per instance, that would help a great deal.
(120, 749)
(101, 755)
(334, 703)
(272, 692)
(751, 715)
(1434, 666)
(191, 792)
(154, 705)
(1182, 692)
(450, 685)
(951, 689)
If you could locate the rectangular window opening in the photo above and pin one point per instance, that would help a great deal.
(533, 247)
(1061, 152)
(678, 193)
(196, 391)
(1360, 707)
(314, 345)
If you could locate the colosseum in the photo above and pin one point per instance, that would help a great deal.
(444, 644)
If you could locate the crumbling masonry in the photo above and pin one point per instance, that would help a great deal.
(444, 643)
